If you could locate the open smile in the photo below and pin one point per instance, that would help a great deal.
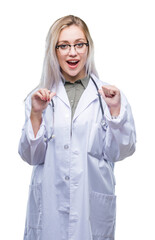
(73, 63)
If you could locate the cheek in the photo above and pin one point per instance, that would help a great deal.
(84, 59)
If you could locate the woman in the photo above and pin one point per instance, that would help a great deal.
(73, 136)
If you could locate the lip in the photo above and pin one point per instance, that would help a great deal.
(72, 63)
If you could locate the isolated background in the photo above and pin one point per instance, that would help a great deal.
(124, 36)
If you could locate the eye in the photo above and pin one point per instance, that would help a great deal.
(63, 46)
(79, 45)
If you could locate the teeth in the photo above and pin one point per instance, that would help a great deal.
(72, 62)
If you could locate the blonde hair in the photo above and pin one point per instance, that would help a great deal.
(51, 73)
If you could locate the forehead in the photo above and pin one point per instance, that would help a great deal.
(71, 34)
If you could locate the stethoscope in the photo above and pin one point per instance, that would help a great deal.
(103, 121)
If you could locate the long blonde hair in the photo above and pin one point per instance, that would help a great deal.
(51, 73)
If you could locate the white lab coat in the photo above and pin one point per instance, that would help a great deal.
(72, 190)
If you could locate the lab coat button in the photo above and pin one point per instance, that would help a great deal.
(66, 146)
(67, 178)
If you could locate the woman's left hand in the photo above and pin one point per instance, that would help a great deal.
(112, 97)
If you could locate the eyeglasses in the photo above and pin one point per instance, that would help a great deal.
(79, 47)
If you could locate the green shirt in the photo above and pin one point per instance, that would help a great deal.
(75, 90)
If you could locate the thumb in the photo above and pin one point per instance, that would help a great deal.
(52, 94)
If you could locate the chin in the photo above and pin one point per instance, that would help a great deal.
(74, 74)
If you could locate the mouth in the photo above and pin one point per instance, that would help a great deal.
(73, 63)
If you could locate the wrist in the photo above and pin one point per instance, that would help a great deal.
(114, 112)
(36, 115)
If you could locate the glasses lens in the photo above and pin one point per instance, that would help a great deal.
(79, 48)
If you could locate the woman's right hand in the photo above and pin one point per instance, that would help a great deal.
(39, 102)
(41, 99)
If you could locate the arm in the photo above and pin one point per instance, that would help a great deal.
(120, 135)
(32, 147)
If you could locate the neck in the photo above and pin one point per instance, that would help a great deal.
(73, 79)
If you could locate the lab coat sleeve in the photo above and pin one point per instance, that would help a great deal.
(120, 135)
(32, 149)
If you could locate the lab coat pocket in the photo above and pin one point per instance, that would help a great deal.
(34, 208)
(102, 215)
(96, 140)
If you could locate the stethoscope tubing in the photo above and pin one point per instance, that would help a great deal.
(103, 122)
(99, 96)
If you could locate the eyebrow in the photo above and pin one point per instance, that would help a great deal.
(77, 40)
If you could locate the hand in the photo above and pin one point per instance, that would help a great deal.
(112, 97)
(41, 99)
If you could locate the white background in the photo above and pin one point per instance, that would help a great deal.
(123, 33)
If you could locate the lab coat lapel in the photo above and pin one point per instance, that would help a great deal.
(88, 96)
(61, 93)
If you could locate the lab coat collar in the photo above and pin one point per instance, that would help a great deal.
(61, 93)
(88, 96)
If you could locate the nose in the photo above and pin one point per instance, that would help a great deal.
(72, 51)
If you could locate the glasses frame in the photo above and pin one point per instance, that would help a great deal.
(70, 45)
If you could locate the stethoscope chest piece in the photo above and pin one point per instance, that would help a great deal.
(104, 124)
(46, 139)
